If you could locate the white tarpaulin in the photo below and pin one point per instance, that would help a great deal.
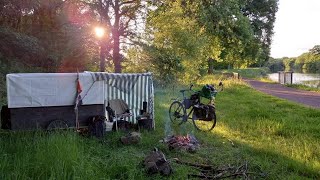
(51, 89)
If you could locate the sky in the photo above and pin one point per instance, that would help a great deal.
(297, 28)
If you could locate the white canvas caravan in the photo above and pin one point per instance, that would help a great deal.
(37, 99)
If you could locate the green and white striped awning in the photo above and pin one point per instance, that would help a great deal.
(134, 89)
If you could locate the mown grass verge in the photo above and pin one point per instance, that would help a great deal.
(304, 87)
(276, 137)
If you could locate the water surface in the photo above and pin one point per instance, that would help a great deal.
(312, 80)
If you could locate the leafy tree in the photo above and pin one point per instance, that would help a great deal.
(121, 17)
(60, 27)
(183, 37)
(261, 14)
(315, 50)
(288, 63)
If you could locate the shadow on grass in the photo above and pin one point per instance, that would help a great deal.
(223, 151)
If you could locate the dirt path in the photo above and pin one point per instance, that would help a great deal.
(304, 97)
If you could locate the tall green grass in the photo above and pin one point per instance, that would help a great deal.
(278, 139)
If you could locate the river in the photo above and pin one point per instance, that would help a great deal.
(312, 80)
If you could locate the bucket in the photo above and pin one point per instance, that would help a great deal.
(109, 126)
(145, 123)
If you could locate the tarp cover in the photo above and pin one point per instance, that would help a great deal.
(51, 89)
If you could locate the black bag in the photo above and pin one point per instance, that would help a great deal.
(111, 113)
(97, 126)
(204, 112)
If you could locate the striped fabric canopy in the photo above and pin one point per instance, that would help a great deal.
(134, 89)
(123, 81)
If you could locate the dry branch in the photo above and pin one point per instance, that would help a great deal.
(209, 172)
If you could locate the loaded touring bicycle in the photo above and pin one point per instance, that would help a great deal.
(68, 100)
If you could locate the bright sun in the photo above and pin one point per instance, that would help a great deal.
(99, 32)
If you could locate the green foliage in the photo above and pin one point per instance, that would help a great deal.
(232, 33)
(51, 34)
(262, 17)
(315, 50)
(21, 46)
(165, 65)
(288, 64)
(243, 27)
(275, 65)
(184, 40)
(250, 72)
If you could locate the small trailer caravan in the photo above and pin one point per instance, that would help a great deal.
(36, 100)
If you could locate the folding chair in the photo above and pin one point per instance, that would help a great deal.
(121, 110)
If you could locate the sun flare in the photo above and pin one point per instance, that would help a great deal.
(99, 32)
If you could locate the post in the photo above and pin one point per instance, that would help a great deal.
(288, 77)
(282, 78)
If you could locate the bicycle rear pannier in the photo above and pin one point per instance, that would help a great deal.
(204, 112)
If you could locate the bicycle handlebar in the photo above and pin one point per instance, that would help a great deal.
(191, 86)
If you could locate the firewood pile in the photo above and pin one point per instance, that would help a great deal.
(185, 143)
(227, 171)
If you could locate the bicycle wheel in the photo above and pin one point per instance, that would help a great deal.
(177, 112)
(205, 125)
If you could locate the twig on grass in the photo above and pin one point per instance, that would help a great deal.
(209, 172)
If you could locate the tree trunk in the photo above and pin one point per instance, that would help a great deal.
(210, 66)
(116, 39)
(102, 58)
(116, 53)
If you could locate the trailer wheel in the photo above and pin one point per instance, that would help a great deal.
(57, 124)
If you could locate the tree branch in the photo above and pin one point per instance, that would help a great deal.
(127, 2)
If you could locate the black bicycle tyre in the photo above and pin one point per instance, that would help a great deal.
(177, 112)
(198, 127)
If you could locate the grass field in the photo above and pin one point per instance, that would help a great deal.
(276, 137)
